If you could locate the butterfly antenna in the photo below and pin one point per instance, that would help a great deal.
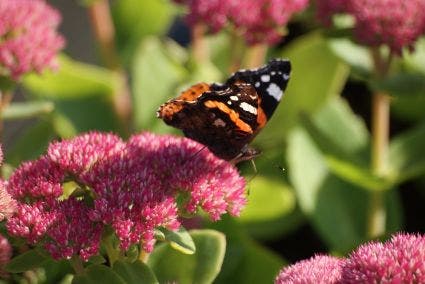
(194, 155)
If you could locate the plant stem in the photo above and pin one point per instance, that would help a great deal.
(144, 256)
(200, 49)
(237, 50)
(380, 145)
(5, 99)
(104, 31)
(77, 265)
(256, 55)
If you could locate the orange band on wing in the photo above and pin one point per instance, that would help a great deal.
(234, 116)
(194, 92)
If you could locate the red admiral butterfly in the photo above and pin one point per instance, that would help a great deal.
(226, 117)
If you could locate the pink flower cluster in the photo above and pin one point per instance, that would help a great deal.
(28, 38)
(397, 24)
(258, 21)
(5, 255)
(399, 260)
(68, 196)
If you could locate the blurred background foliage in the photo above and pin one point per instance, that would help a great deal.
(319, 135)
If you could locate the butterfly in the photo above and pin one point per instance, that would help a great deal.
(226, 117)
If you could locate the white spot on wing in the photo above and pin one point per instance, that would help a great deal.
(219, 123)
(257, 84)
(273, 73)
(229, 103)
(249, 108)
(265, 78)
(286, 77)
(274, 91)
(234, 98)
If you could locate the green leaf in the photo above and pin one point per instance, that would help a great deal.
(136, 19)
(180, 240)
(27, 110)
(357, 175)
(31, 143)
(73, 80)
(271, 206)
(407, 154)
(416, 60)
(402, 85)
(202, 267)
(98, 274)
(136, 272)
(336, 207)
(317, 74)
(26, 261)
(155, 77)
(245, 261)
(357, 56)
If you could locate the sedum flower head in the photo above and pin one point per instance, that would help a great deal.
(5, 255)
(132, 187)
(7, 203)
(263, 21)
(258, 21)
(318, 269)
(28, 38)
(397, 24)
(399, 260)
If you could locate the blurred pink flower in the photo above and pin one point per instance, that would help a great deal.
(212, 13)
(5, 255)
(397, 24)
(132, 187)
(28, 38)
(327, 8)
(263, 21)
(399, 260)
(7, 203)
(321, 269)
(258, 21)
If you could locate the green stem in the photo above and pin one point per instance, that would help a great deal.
(113, 253)
(5, 99)
(256, 55)
(380, 145)
(77, 265)
(200, 51)
(144, 256)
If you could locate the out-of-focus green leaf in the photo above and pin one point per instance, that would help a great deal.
(316, 75)
(97, 274)
(337, 208)
(134, 273)
(73, 80)
(416, 60)
(357, 175)
(271, 208)
(170, 265)
(410, 108)
(358, 57)
(407, 154)
(56, 271)
(82, 93)
(180, 240)
(403, 85)
(245, 261)
(31, 143)
(135, 19)
(27, 109)
(26, 261)
(155, 77)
